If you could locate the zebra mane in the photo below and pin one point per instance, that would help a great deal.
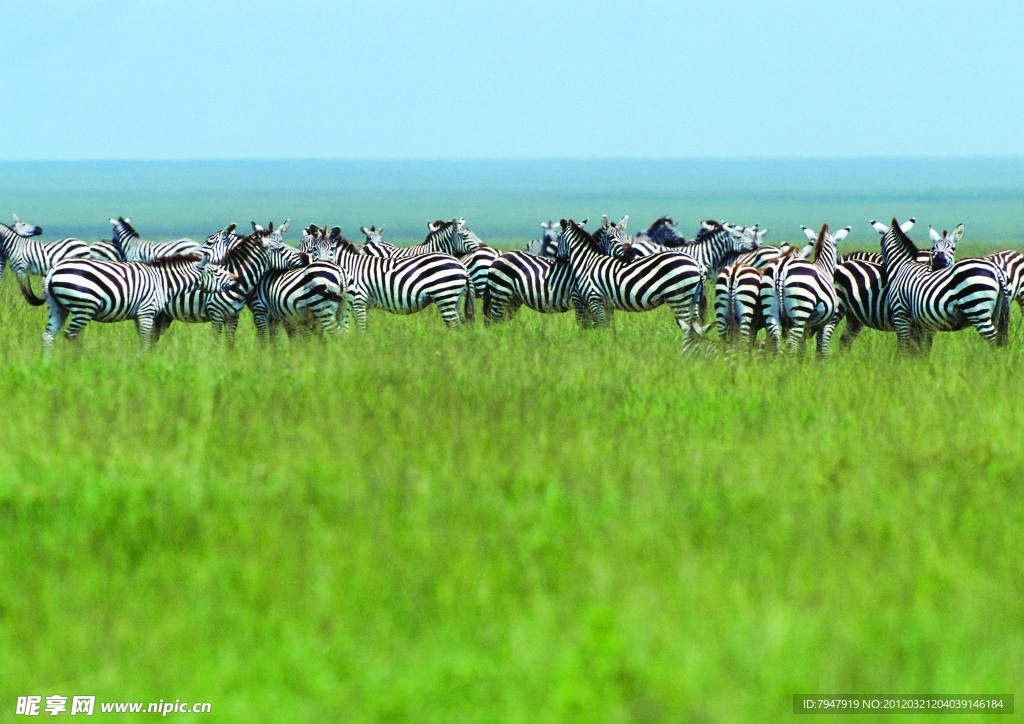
(819, 244)
(580, 234)
(895, 240)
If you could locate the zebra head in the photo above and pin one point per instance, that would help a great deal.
(611, 238)
(271, 232)
(216, 246)
(22, 229)
(373, 234)
(944, 246)
(279, 254)
(214, 278)
(453, 237)
(123, 230)
(320, 246)
(664, 232)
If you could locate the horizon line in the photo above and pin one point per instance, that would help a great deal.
(524, 159)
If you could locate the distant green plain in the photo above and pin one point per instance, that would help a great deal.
(517, 523)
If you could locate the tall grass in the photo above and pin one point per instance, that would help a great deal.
(521, 522)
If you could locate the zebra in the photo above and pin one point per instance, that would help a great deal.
(923, 256)
(401, 285)
(452, 238)
(248, 259)
(296, 297)
(130, 247)
(662, 232)
(798, 296)
(27, 256)
(970, 292)
(518, 277)
(547, 245)
(90, 290)
(738, 313)
(604, 284)
(943, 254)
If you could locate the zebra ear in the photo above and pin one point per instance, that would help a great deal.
(841, 234)
(584, 222)
(907, 225)
(364, 230)
(230, 228)
(809, 233)
(605, 221)
(879, 226)
(624, 223)
(111, 220)
(255, 226)
(270, 227)
(16, 219)
(284, 227)
(958, 234)
(933, 234)
(381, 229)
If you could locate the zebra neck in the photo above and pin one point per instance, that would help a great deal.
(826, 260)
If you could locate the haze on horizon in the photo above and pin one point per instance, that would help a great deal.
(111, 79)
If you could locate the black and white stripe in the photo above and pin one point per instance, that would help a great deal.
(972, 292)
(738, 314)
(26, 256)
(248, 259)
(518, 278)
(605, 284)
(130, 247)
(90, 290)
(401, 286)
(798, 297)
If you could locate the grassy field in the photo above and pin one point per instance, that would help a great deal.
(521, 523)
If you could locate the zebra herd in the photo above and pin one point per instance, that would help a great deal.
(791, 292)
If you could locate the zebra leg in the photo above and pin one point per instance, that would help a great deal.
(852, 331)
(328, 319)
(824, 339)
(261, 319)
(144, 324)
(230, 326)
(906, 336)
(449, 309)
(797, 335)
(58, 316)
(597, 311)
(161, 325)
(76, 325)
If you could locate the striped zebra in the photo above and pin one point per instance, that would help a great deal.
(798, 297)
(27, 256)
(738, 314)
(248, 259)
(972, 292)
(518, 278)
(605, 284)
(89, 290)
(400, 286)
(943, 254)
(452, 238)
(547, 245)
(297, 299)
(130, 247)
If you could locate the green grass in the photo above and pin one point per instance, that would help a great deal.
(518, 523)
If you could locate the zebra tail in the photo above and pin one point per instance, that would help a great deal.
(780, 279)
(700, 298)
(30, 296)
(732, 326)
(1001, 315)
(470, 307)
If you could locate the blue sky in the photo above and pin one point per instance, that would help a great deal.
(725, 79)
